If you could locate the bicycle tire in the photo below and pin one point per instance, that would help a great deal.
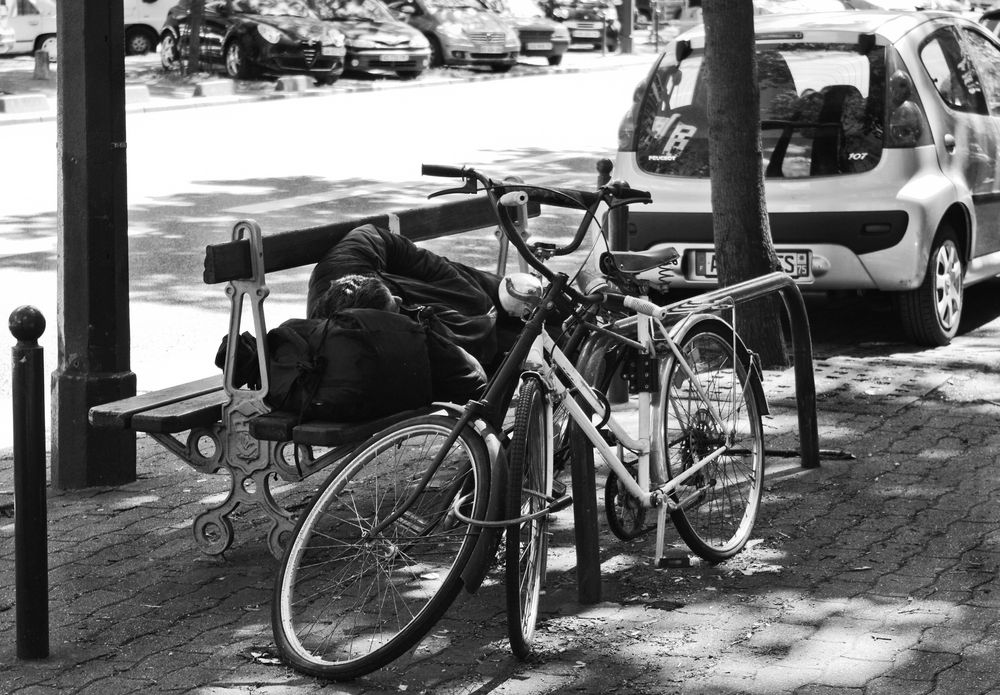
(529, 487)
(338, 610)
(722, 500)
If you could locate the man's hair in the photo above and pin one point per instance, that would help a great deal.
(353, 292)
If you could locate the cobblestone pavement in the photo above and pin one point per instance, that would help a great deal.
(875, 574)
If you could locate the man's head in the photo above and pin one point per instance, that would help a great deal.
(355, 292)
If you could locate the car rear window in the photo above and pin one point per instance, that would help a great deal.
(821, 111)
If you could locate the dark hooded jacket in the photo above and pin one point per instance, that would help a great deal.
(463, 299)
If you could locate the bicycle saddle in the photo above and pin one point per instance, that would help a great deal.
(636, 262)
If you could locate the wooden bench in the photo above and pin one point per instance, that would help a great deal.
(232, 429)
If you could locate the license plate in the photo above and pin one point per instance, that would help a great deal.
(489, 49)
(795, 263)
(393, 58)
(331, 51)
(588, 34)
(539, 46)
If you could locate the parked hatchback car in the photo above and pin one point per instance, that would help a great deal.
(590, 22)
(462, 32)
(249, 37)
(540, 36)
(880, 136)
(376, 40)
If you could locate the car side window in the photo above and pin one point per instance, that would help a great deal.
(953, 73)
(986, 56)
(25, 8)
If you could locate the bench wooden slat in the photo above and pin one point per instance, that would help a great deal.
(280, 427)
(293, 249)
(200, 411)
(119, 414)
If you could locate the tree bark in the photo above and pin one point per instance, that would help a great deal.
(743, 243)
(195, 20)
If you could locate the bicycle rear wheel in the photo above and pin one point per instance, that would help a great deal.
(529, 490)
(348, 601)
(719, 503)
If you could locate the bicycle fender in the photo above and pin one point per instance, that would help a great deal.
(748, 358)
(485, 551)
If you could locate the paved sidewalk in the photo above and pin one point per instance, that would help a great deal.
(874, 575)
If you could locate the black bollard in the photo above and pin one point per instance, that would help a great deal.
(31, 584)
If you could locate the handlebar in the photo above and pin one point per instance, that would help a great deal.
(505, 194)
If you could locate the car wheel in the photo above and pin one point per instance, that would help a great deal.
(139, 42)
(328, 78)
(170, 57)
(437, 55)
(48, 44)
(931, 313)
(501, 67)
(555, 60)
(237, 62)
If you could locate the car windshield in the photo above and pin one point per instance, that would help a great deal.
(274, 8)
(518, 8)
(434, 5)
(352, 9)
(821, 112)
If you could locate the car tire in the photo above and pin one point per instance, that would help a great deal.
(931, 313)
(437, 55)
(328, 79)
(237, 60)
(48, 44)
(170, 55)
(139, 41)
(555, 60)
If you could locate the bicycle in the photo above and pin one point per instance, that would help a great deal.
(416, 513)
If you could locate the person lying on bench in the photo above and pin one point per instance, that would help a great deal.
(456, 376)
(464, 300)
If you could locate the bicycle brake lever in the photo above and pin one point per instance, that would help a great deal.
(470, 186)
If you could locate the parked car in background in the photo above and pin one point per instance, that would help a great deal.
(143, 21)
(462, 32)
(34, 25)
(590, 22)
(376, 40)
(880, 140)
(6, 33)
(251, 37)
(540, 36)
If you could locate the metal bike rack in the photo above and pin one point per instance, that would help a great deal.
(584, 483)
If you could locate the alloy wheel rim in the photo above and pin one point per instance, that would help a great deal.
(948, 285)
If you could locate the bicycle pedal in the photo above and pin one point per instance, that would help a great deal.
(558, 489)
(674, 559)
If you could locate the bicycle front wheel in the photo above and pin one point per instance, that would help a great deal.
(529, 490)
(354, 593)
(711, 409)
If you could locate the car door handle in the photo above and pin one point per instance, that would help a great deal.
(949, 142)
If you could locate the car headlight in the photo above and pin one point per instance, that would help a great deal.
(560, 12)
(419, 41)
(269, 34)
(513, 36)
(451, 30)
(560, 33)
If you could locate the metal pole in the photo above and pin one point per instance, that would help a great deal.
(31, 583)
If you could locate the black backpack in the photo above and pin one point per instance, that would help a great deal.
(358, 365)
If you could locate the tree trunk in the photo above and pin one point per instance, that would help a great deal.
(743, 243)
(197, 17)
